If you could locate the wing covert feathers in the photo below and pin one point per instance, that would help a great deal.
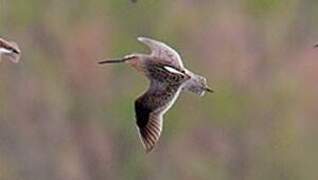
(163, 51)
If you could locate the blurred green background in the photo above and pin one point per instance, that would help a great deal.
(64, 117)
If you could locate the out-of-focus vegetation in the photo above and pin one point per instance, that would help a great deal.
(64, 117)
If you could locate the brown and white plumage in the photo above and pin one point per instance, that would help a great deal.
(162, 52)
(150, 107)
(168, 77)
(10, 50)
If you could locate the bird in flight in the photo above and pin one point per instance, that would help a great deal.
(168, 77)
(10, 50)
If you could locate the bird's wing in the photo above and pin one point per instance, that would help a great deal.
(150, 108)
(162, 51)
(10, 49)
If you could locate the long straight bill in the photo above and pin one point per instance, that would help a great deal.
(122, 60)
(112, 61)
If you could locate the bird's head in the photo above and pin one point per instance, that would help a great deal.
(134, 60)
(10, 50)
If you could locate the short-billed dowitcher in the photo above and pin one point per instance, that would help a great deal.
(9, 49)
(168, 77)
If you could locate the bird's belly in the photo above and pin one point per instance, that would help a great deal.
(163, 109)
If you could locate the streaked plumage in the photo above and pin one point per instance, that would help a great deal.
(10, 50)
(168, 77)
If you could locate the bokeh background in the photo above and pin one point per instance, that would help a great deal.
(64, 117)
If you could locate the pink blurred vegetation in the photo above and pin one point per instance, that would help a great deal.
(64, 117)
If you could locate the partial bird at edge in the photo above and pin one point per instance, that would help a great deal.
(10, 50)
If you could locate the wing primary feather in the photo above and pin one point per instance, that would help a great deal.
(149, 109)
(151, 135)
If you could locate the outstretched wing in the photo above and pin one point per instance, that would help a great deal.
(150, 108)
(163, 52)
